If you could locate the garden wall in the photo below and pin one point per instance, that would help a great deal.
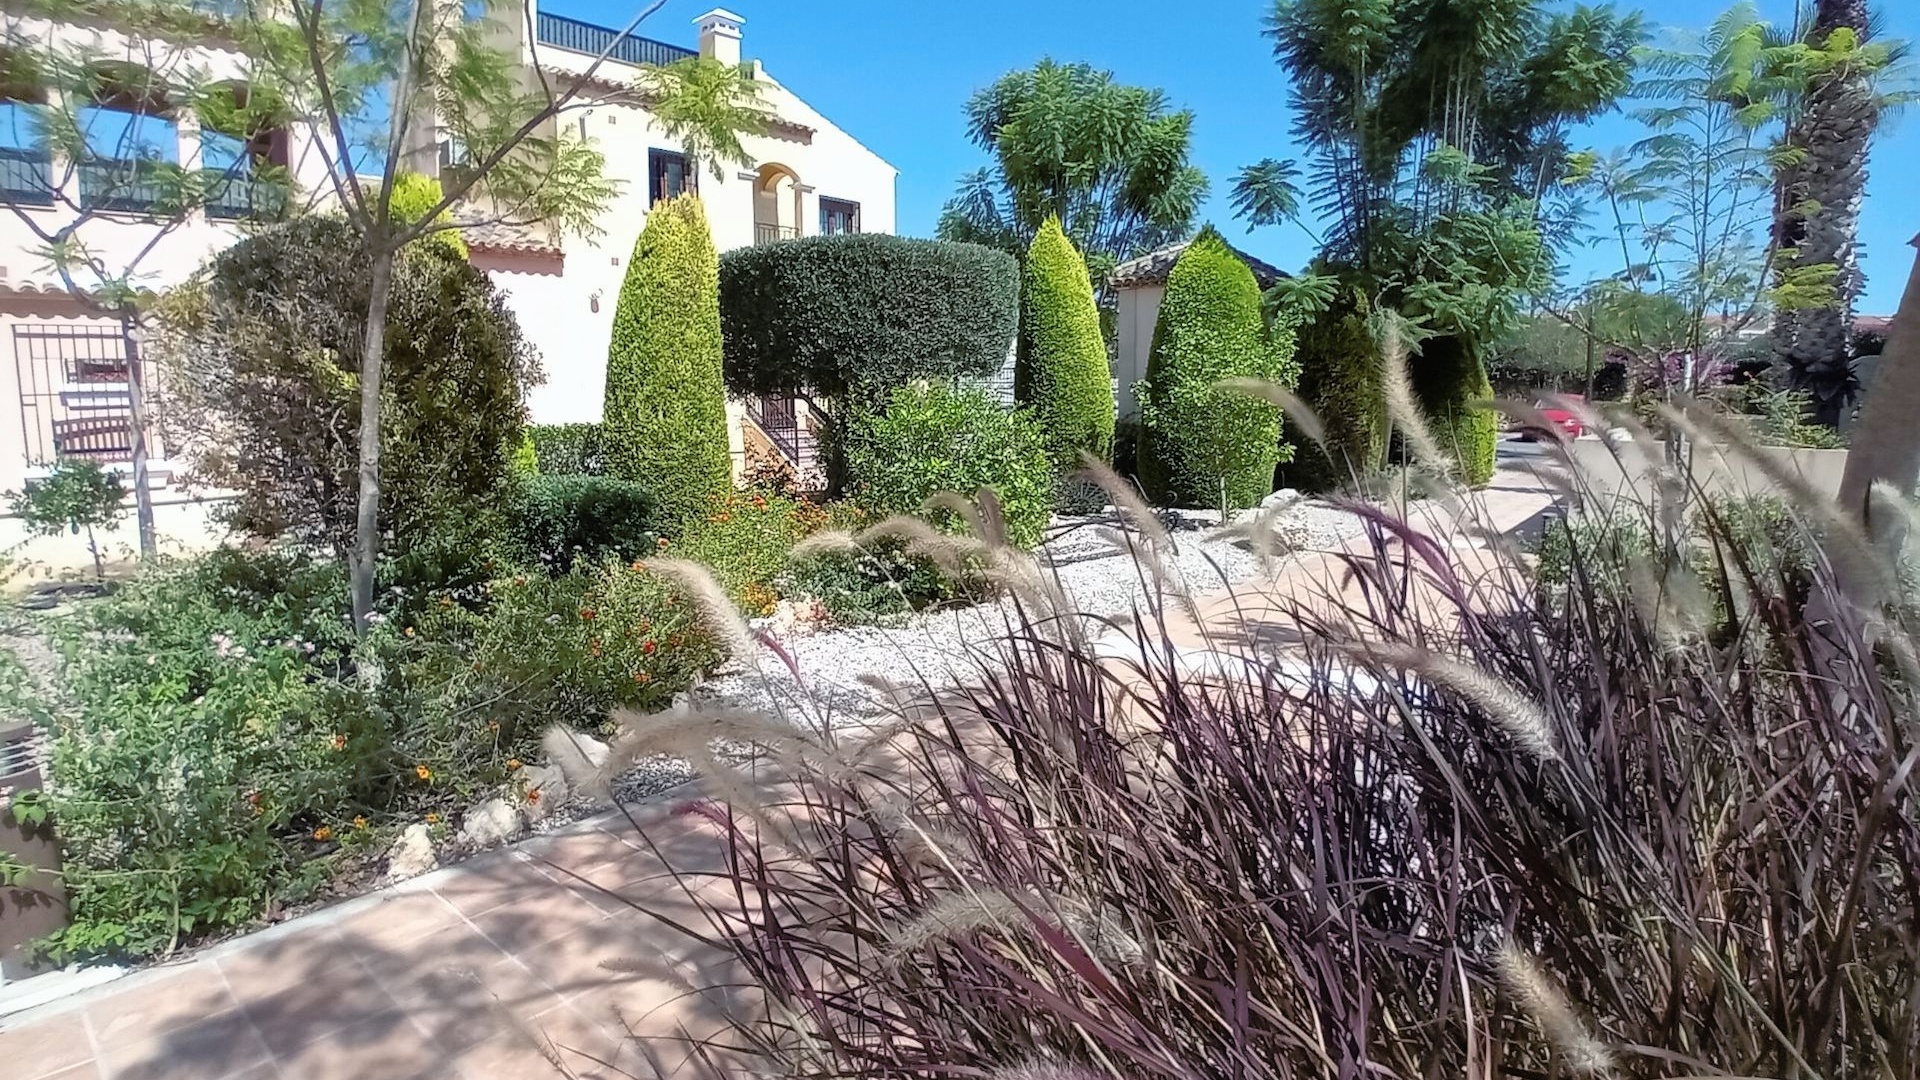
(1717, 472)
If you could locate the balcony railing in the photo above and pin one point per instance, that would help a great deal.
(129, 186)
(576, 36)
(773, 234)
(26, 176)
(243, 197)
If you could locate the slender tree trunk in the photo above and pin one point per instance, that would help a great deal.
(366, 532)
(1817, 216)
(137, 419)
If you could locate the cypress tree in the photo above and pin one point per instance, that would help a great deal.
(666, 410)
(1201, 445)
(1061, 372)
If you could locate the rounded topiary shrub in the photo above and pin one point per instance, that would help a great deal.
(259, 358)
(1451, 384)
(666, 404)
(1062, 373)
(1201, 445)
(849, 317)
(936, 436)
(1341, 380)
(560, 519)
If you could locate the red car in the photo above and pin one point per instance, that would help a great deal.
(1561, 418)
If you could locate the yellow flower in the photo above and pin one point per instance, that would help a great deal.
(323, 834)
(423, 772)
(359, 822)
(339, 742)
(432, 818)
(513, 763)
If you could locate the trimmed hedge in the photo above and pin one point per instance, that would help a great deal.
(1450, 381)
(934, 437)
(1201, 445)
(1341, 381)
(560, 519)
(569, 449)
(851, 317)
(1062, 372)
(666, 406)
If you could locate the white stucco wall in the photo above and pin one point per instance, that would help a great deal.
(1138, 311)
(558, 316)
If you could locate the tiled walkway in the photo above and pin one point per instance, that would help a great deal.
(490, 970)
(479, 972)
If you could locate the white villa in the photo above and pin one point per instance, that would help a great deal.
(64, 382)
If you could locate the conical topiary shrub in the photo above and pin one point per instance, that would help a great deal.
(666, 405)
(1062, 372)
(1201, 445)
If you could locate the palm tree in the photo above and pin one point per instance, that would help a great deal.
(1817, 193)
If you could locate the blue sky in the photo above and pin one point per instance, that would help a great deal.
(894, 74)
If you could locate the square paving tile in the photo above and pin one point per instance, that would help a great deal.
(306, 1005)
(494, 881)
(46, 1047)
(459, 1007)
(455, 946)
(395, 926)
(88, 1071)
(160, 1004)
(518, 928)
(383, 1047)
(210, 1049)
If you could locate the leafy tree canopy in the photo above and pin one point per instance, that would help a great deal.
(1111, 161)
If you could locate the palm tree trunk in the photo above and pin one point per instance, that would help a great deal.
(1817, 215)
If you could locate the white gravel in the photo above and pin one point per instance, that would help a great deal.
(937, 648)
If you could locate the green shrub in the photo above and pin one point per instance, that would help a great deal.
(745, 538)
(413, 195)
(1202, 445)
(880, 583)
(562, 519)
(1341, 381)
(936, 437)
(851, 317)
(1450, 384)
(1062, 373)
(666, 409)
(259, 359)
(569, 449)
(220, 742)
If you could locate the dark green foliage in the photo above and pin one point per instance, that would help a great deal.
(1062, 373)
(221, 750)
(1111, 161)
(935, 437)
(561, 519)
(1202, 445)
(261, 361)
(666, 408)
(1341, 381)
(851, 317)
(1450, 385)
(569, 449)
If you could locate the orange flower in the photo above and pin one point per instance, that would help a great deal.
(493, 725)
(513, 763)
(520, 580)
(359, 822)
(642, 677)
(646, 625)
(339, 742)
(587, 614)
(423, 772)
(648, 647)
(662, 542)
(476, 665)
(323, 834)
(432, 818)
(593, 646)
(639, 566)
(533, 796)
(446, 601)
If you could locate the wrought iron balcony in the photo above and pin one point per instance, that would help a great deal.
(576, 36)
(26, 176)
(244, 197)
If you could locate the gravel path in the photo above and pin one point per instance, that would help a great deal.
(936, 648)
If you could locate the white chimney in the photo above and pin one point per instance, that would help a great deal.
(720, 36)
